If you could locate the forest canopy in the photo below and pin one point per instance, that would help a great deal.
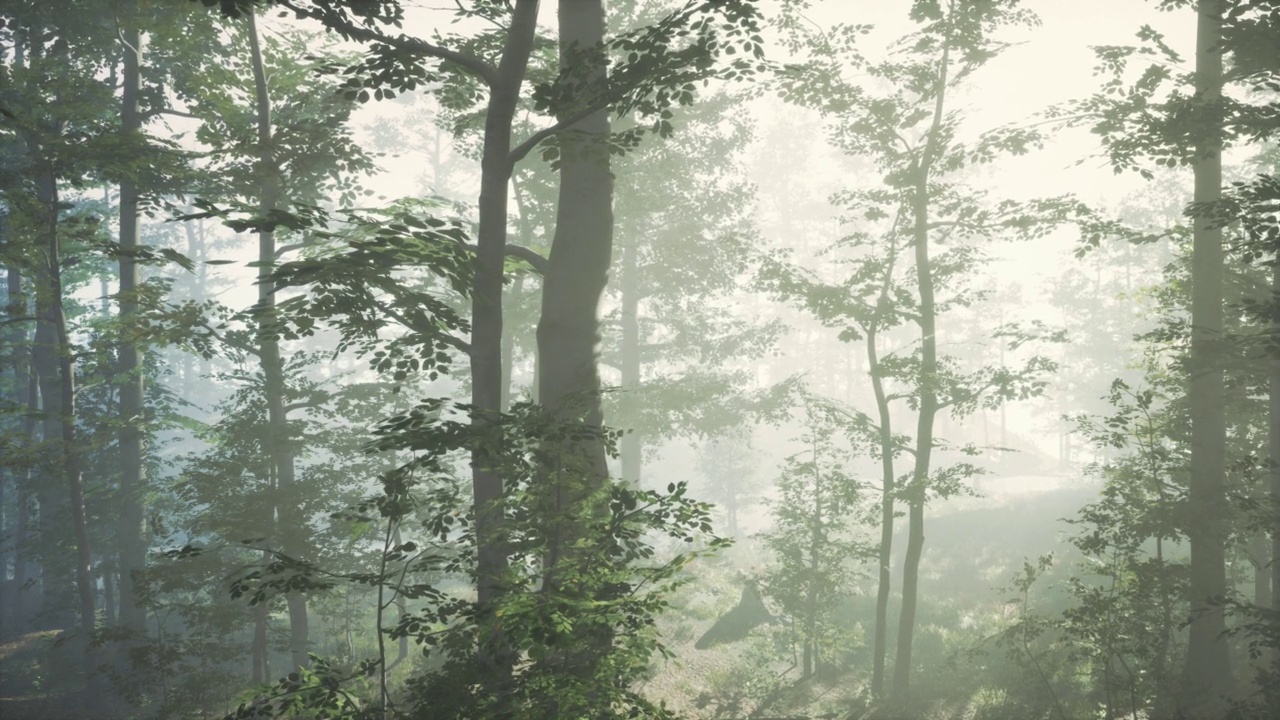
(377, 359)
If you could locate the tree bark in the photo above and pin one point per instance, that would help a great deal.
(25, 394)
(509, 347)
(568, 328)
(59, 404)
(1273, 442)
(928, 406)
(888, 481)
(631, 447)
(132, 527)
(259, 649)
(289, 523)
(1207, 676)
(51, 510)
(577, 271)
(494, 656)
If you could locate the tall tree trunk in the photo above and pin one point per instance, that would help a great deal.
(577, 271)
(60, 406)
(1207, 673)
(928, 404)
(494, 655)
(259, 650)
(816, 543)
(24, 394)
(1273, 443)
(51, 514)
(289, 523)
(18, 602)
(132, 530)
(108, 593)
(509, 347)
(631, 447)
(568, 328)
(888, 480)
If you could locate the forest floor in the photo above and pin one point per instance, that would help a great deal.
(974, 546)
(34, 688)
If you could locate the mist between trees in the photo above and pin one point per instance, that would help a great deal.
(373, 359)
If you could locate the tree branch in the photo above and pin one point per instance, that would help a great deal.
(529, 255)
(538, 262)
(280, 251)
(168, 111)
(444, 337)
(299, 405)
(347, 29)
(230, 343)
(519, 152)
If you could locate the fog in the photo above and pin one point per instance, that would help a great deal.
(639, 358)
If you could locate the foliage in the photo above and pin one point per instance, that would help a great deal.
(817, 550)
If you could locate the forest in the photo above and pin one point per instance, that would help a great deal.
(701, 359)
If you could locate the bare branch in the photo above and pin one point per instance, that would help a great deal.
(168, 111)
(519, 152)
(538, 262)
(529, 255)
(280, 251)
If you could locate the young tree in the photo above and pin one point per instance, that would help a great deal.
(910, 132)
(813, 537)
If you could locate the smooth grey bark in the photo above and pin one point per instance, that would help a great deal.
(577, 271)
(132, 521)
(888, 481)
(51, 509)
(509, 346)
(1273, 442)
(928, 399)
(58, 401)
(494, 655)
(259, 650)
(568, 327)
(1207, 675)
(25, 394)
(289, 523)
(108, 593)
(631, 447)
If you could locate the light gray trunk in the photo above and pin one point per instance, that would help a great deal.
(289, 523)
(1207, 675)
(888, 481)
(1273, 439)
(577, 271)
(928, 406)
(493, 653)
(58, 391)
(132, 523)
(568, 328)
(631, 448)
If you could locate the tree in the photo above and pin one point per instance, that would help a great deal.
(1160, 123)
(133, 543)
(911, 134)
(1207, 672)
(813, 537)
(50, 135)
